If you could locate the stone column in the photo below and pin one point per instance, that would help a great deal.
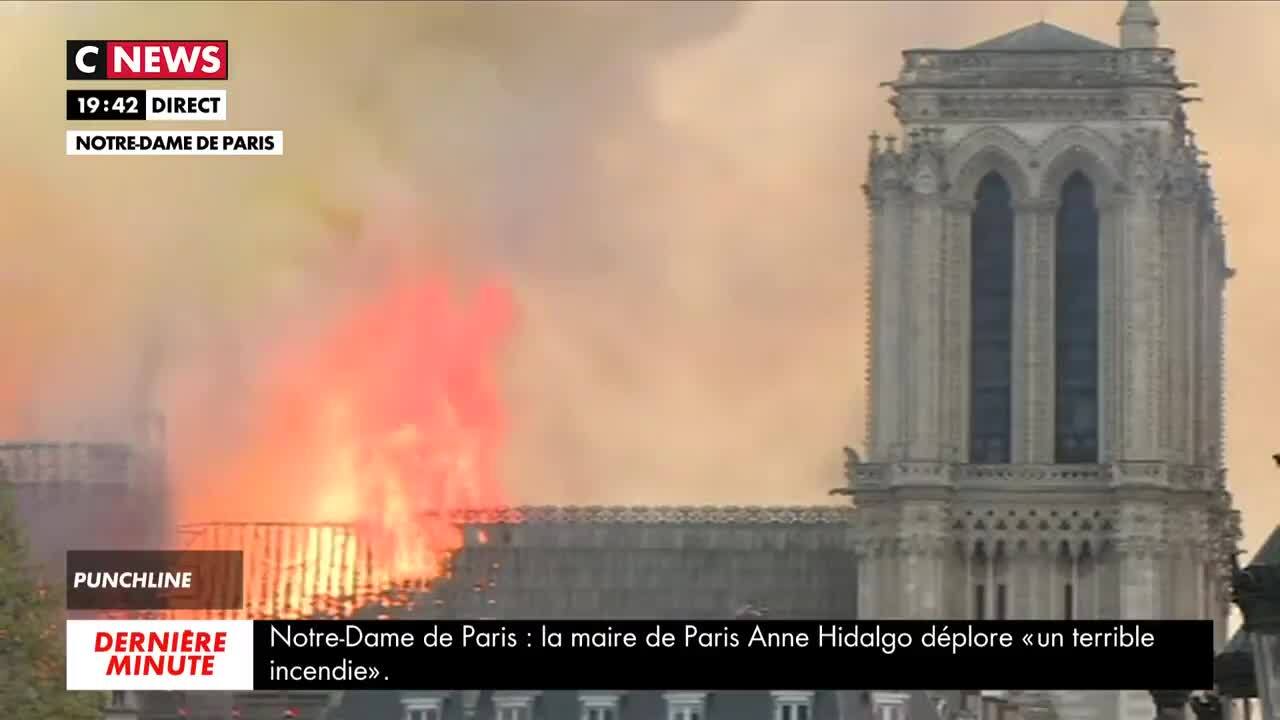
(919, 530)
(889, 297)
(1188, 563)
(1111, 323)
(924, 332)
(878, 593)
(1205, 434)
(968, 610)
(1022, 588)
(880, 307)
(923, 539)
(1137, 550)
(1212, 347)
(1034, 362)
(1181, 299)
(1139, 545)
(1039, 571)
(869, 580)
(955, 332)
(1141, 283)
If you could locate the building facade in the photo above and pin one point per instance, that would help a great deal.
(1047, 274)
(1046, 341)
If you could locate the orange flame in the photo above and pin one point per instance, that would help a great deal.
(380, 428)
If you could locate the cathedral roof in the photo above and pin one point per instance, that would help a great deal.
(1269, 553)
(1041, 37)
(678, 568)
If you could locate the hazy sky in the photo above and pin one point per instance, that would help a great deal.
(672, 190)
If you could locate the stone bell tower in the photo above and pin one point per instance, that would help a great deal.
(1047, 274)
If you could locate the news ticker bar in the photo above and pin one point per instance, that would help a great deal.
(147, 105)
(637, 655)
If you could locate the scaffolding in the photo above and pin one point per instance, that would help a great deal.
(307, 570)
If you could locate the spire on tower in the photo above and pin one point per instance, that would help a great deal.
(1138, 25)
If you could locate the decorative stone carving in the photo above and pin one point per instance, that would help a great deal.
(996, 70)
(885, 173)
(1143, 166)
(1027, 528)
(530, 515)
(870, 477)
(1100, 106)
(1032, 477)
(1141, 546)
(1226, 533)
(1077, 147)
(989, 148)
(924, 160)
(1183, 176)
(925, 181)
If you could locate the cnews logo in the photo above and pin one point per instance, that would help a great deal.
(146, 59)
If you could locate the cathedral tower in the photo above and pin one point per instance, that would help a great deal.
(1046, 356)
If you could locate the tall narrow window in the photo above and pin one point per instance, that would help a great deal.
(980, 602)
(1076, 324)
(991, 317)
(1002, 602)
(1068, 602)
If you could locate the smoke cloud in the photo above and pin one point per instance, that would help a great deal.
(672, 190)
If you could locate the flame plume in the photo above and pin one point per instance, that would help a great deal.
(381, 428)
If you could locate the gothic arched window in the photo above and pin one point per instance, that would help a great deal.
(1076, 325)
(991, 343)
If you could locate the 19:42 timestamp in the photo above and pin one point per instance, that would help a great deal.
(120, 105)
(106, 105)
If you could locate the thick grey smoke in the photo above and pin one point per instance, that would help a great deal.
(672, 189)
